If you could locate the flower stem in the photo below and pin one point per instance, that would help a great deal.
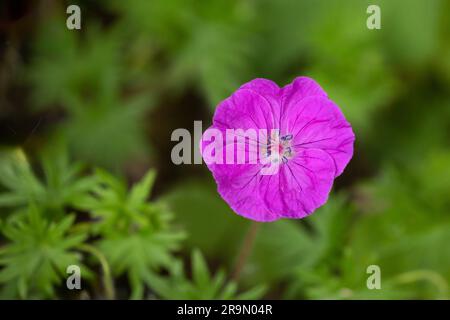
(428, 275)
(245, 250)
(107, 279)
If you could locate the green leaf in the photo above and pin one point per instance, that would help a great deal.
(60, 187)
(38, 252)
(141, 191)
(196, 203)
(137, 236)
(200, 272)
(202, 285)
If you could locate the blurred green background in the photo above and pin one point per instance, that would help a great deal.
(86, 176)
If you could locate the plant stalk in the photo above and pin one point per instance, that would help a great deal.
(107, 278)
(245, 250)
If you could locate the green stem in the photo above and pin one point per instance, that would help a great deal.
(107, 278)
(427, 275)
(245, 250)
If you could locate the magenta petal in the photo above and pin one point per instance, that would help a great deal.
(312, 147)
(262, 86)
(271, 93)
(317, 122)
(301, 186)
(246, 150)
(239, 188)
(299, 89)
(247, 108)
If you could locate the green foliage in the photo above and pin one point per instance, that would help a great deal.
(410, 44)
(207, 44)
(17, 177)
(62, 77)
(195, 203)
(137, 237)
(37, 255)
(355, 75)
(274, 239)
(384, 235)
(202, 286)
(87, 80)
(95, 88)
(59, 187)
(40, 242)
(316, 244)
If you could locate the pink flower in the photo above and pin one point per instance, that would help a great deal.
(305, 144)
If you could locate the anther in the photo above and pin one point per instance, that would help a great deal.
(286, 137)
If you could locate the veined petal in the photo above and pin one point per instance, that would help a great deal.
(239, 188)
(248, 107)
(301, 186)
(311, 145)
(299, 89)
(316, 122)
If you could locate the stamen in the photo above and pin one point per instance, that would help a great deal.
(280, 149)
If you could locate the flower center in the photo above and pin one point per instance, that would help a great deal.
(279, 148)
